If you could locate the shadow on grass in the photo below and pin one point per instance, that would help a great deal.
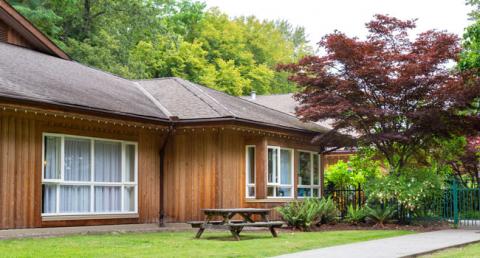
(230, 237)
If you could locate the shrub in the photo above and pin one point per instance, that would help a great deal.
(300, 214)
(355, 215)
(380, 214)
(304, 214)
(360, 168)
(413, 190)
(328, 211)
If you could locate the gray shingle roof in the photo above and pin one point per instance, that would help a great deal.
(191, 101)
(284, 103)
(31, 75)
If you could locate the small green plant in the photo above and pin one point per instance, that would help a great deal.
(380, 214)
(328, 211)
(301, 214)
(311, 211)
(355, 215)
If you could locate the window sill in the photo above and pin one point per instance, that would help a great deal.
(270, 200)
(88, 217)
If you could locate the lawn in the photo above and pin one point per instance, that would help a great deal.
(466, 251)
(182, 244)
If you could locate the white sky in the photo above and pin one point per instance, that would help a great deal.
(320, 17)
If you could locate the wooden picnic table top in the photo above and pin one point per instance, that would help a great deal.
(237, 210)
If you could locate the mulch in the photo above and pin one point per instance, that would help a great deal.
(368, 226)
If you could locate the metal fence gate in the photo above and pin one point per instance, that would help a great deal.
(459, 205)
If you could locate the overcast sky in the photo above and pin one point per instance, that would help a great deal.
(320, 17)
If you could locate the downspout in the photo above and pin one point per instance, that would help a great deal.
(171, 130)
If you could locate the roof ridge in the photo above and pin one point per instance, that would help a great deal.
(183, 83)
(153, 99)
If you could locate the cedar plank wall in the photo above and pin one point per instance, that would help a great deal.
(9, 35)
(205, 168)
(20, 166)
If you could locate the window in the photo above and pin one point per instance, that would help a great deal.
(250, 171)
(280, 172)
(308, 174)
(84, 175)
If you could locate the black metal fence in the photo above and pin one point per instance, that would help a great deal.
(346, 197)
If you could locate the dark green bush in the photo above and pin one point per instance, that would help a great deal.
(380, 214)
(355, 215)
(311, 211)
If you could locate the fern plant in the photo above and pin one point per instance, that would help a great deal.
(300, 214)
(328, 211)
(355, 215)
(380, 215)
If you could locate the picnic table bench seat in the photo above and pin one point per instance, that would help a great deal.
(235, 226)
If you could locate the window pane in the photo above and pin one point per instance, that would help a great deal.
(286, 167)
(272, 165)
(315, 192)
(129, 199)
(52, 157)
(284, 192)
(304, 171)
(77, 159)
(108, 157)
(49, 203)
(270, 191)
(316, 170)
(107, 198)
(250, 165)
(129, 163)
(74, 199)
(251, 191)
(303, 192)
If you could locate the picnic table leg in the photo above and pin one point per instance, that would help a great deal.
(235, 234)
(200, 232)
(208, 217)
(274, 233)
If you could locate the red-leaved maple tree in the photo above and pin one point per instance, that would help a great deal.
(397, 92)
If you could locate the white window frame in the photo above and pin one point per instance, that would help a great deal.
(58, 182)
(311, 186)
(247, 174)
(276, 184)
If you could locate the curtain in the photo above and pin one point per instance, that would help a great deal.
(108, 199)
(49, 204)
(286, 167)
(304, 172)
(129, 163)
(52, 157)
(250, 165)
(108, 156)
(272, 165)
(77, 159)
(74, 199)
(129, 199)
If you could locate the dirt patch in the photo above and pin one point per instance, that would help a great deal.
(366, 226)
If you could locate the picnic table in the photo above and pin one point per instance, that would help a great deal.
(235, 226)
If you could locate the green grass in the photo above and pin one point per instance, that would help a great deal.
(468, 251)
(182, 244)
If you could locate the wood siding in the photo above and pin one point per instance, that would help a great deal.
(21, 166)
(8, 35)
(205, 168)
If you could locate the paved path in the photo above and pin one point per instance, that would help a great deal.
(63, 231)
(402, 246)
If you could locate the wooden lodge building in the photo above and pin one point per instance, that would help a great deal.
(79, 146)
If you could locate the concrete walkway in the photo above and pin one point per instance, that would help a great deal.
(63, 231)
(402, 246)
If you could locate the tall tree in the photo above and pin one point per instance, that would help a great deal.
(398, 94)
(147, 39)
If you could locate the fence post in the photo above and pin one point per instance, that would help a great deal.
(455, 203)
